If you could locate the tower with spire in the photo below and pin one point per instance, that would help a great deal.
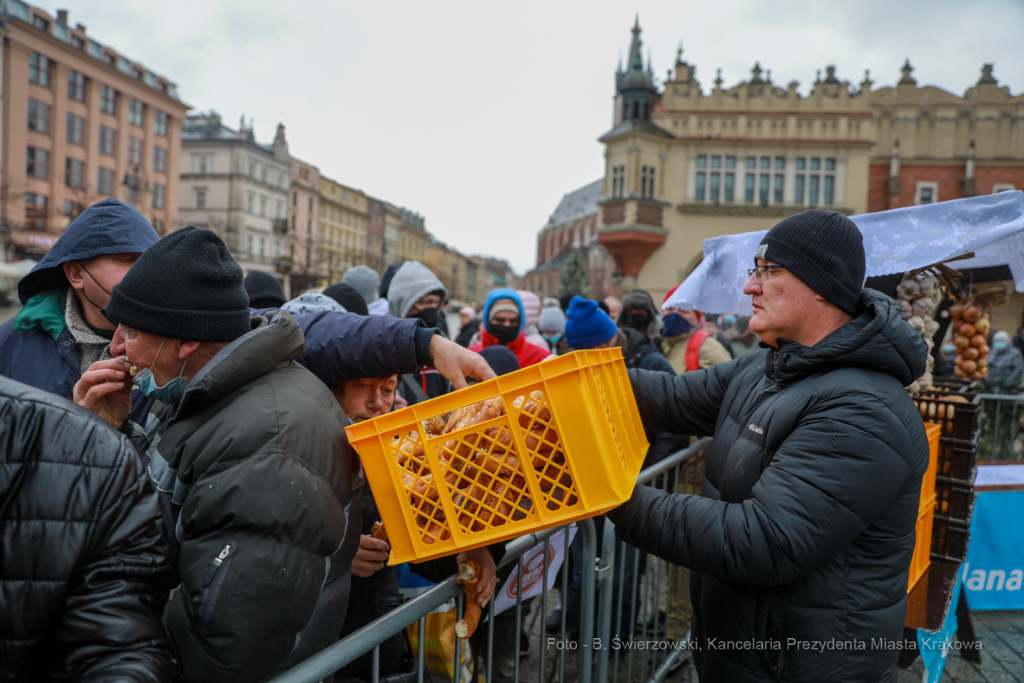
(634, 85)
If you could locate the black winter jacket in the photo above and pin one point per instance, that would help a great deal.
(84, 560)
(264, 494)
(804, 527)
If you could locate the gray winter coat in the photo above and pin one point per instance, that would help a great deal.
(263, 494)
(804, 527)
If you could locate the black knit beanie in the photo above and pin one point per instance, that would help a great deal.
(824, 249)
(186, 286)
(264, 290)
(347, 296)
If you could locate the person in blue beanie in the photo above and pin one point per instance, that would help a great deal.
(60, 331)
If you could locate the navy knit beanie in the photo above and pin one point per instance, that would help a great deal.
(502, 359)
(586, 325)
(347, 296)
(264, 290)
(186, 286)
(824, 249)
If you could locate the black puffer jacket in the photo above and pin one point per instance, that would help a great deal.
(84, 551)
(265, 497)
(804, 527)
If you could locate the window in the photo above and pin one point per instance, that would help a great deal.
(250, 202)
(76, 86)
(702, 161)
(263, 205)
(72, 209)
(135, 113)
(105, 181)
(780, 163)
(648, 174)
(763, 188)
(40, 23)
(250, 240)
(38, 163)
(160, 123)
(134, 151)
(38, 116)
(278, 209)
(108, 97)
(158, 196)
(77, 42)
(263, 245)
(137, 73)
(76, 130)
(817, 178)
(780, 183)
(202, 165)
(730, 162)
(158, 225)
(35, 211)
(766, 162)
(751, 162)
(263, 174)
(716, 179)
(110, 59)
(200, 199)
(716, 161)
(295, 198)
(159, 159)
(618, 181)
(702, 179)
(748, 188)
(73, 171)
(39, 70)
(1002, 187)
(927, 193)
(252, 169)
(106, 140)
(730, 183)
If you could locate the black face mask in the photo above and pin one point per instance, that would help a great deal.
(505, 334)
(427, 315)
(637, 321)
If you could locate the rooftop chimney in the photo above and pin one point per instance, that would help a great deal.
(62, 16)
(80, 26)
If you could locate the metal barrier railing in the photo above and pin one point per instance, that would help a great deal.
(683, 472)
(1002, 432)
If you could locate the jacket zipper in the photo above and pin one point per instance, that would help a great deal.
(215, 577)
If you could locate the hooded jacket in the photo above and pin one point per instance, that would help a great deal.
(527, 353)
(38, 346)
(364, 280)
(84, 561)
(412, 282)
(804, 526)
(640, 298)
(264, 494)
(531, 311)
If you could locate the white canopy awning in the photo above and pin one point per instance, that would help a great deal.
(991, 226)
(17, 269)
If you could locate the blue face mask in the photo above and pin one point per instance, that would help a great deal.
(170, 393)
(674, 324)
(949, 348)
(1000, 345)
(553, 338)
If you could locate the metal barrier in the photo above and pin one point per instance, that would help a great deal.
(683, 472)
(1001, 422)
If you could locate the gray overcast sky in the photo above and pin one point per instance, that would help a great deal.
(481, 115)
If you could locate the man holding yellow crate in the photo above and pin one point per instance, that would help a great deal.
(800, 541)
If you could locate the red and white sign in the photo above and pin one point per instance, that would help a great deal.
(533, 572)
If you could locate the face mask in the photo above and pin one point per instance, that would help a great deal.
(637, 321)
(674, 324)
(553, 338)
(1000, 345)
(170, 393)
(505, 334)
(949, 348)
(730, 320)
(97, 284)
(427, 315)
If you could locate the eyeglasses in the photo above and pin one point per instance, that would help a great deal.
(764, 272)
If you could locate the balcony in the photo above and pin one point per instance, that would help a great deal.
(632, 229)
(280, 226)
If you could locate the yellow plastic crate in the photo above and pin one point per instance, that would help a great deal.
(512, 474)
(934, 431)
(922, 558)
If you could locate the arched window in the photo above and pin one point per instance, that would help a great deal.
(636, 110)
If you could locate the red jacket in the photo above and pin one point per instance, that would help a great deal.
(527, 353)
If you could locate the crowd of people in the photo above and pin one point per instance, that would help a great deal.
(179, 499)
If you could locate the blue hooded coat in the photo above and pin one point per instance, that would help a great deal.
(36, 346)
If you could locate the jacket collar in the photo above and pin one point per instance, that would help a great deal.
(44, 312)
(274, 339)
(516, 345)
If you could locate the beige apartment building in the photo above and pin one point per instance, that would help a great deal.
(412, 235)
(304, 243)
(343, 227)
(240, 189)
(684, 163)
(449, 266)
(81, 122)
